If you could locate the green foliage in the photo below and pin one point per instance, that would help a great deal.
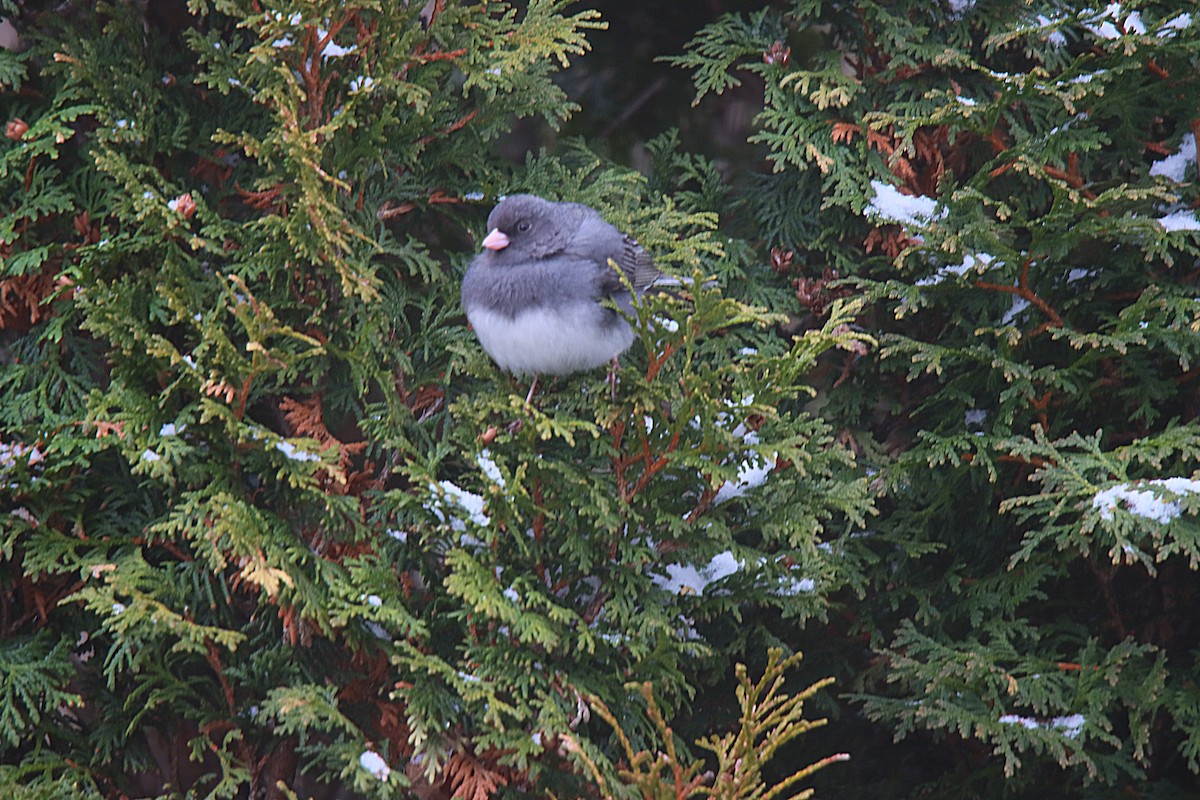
(1031, 411)
(273, 524)
(35, 674)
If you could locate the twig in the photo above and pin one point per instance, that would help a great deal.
(1023, 291)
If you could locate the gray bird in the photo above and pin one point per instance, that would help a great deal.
(533, 296)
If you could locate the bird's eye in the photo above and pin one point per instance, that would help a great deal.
(523, 226)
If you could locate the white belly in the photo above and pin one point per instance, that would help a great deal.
(551, 342)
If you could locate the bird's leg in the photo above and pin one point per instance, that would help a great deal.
(517, 423)
(532, 389)
(612, 377)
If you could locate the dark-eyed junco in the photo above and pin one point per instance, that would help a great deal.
(534, 294)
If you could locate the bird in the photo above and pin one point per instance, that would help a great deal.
(535, 296)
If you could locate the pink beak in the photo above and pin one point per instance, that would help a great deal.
(495, 240)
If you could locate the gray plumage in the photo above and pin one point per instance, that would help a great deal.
(534, 295)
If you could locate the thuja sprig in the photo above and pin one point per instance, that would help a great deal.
(769, 719)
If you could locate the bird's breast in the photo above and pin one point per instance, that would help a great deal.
(551, 339)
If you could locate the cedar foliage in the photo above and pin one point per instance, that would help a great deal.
(271, 525)
(767, 721)
(1030, 416)
(274, 524)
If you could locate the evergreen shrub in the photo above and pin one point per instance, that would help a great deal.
(273, 523)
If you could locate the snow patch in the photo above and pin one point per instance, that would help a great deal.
(295, 454)
(489, 468)
(373, 763)
(978, 262)
(754, 470)
(751, 475)
(1145, 502)
(1055, 38)
(889, 204)
(1175, 165)
(681, 577)
(1070, 726)
(1105, 23)
(1179, 221)
(1019, 304)
(467, 501)
(333, 49)
(10, 452)
(798, 586)
(1175, 24)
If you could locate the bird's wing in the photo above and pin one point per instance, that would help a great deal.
(637, 265)
(598, 239)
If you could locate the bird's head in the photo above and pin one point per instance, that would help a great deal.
(525, 226)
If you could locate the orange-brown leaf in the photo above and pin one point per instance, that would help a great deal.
(881, 141)
(472, 779)
(304, 418)
(21, 299)
(845, 131)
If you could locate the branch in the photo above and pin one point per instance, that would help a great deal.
(652, 468)
(1023, 291)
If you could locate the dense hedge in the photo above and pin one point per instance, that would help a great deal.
(273, 523)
